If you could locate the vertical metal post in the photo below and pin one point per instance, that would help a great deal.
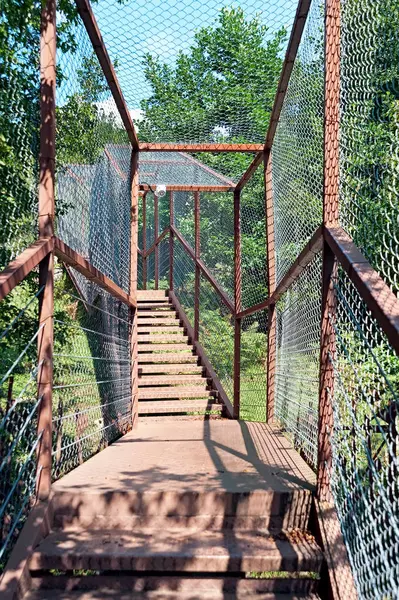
(330, 217)
(46, 229)
(171, 240)
(144, 212)
(156, 234)
(134, 174)
(271, 278)
(197, 236)
(238, 302)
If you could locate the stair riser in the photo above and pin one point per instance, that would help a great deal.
(167, 562)
(147, 380)
(181, 357)
(293, 507)
(271, 525)
(175, 584)
(169, 369)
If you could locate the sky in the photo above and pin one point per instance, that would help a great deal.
(163, 28)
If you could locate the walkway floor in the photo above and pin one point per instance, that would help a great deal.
(196, 455)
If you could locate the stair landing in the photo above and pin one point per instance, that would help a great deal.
(192, 454)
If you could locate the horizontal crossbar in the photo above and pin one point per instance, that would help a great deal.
(78, 262)
(19, 268)
(190, 188)
(212, 147)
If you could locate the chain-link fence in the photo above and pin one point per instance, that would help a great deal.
(297, 153)
(365, 442)
(297, 360)
(369, 207)
(92, 397)
(19, 405)
(19, 127)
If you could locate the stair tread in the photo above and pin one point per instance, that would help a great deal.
(157, 595)
(171, 380)
(159, 305)
(166, 338)
(183, 357)
(170, 368)
(166, 347)
(178, 406)
(171, 550)
(175, 392)
(157, 313)
(160, 321)
(151, 294)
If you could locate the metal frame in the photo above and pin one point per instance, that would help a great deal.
(336, 244)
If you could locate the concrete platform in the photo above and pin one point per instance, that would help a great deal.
(178, 455)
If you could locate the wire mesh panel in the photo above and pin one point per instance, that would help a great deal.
(92, 374)
(253, 243)
(369, 203)
(297, 360)
(19, 127)
(217, 237)
(297, 154)
(93, 164)
(365, 443)
(183, 203)
(216, 335)
(184, 278)
(253, 366)
(197, 71)
(19, 407)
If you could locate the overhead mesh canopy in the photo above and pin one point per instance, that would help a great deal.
(166, 57)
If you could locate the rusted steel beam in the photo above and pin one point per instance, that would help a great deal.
(192, 188)
(19, 268)
(237, 303)
(197, 269)
(211, 147)
(171, 240)
(134, 230)
(46, 230)
(305, 257)
(94, 33)
(290, 56)
(156, 248)
(223, 296)
(257, 161)
(199, 350)
(75, 260)
(329, 269)
(271, 278)
(144, 255)
(378, 297)
(157, 241)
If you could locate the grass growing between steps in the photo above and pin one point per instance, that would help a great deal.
(282, 575)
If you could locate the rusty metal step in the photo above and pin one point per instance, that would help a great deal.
(110, 589)
(174, 392)
(174, 550)
(170, 347)
(146, 295)
(170, 368)
(160, 321)
(171, 380)
(168, 407)
(171, 357)
(157, 314)
(160, 329)
(165, 338)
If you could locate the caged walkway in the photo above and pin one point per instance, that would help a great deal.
(199, 393)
